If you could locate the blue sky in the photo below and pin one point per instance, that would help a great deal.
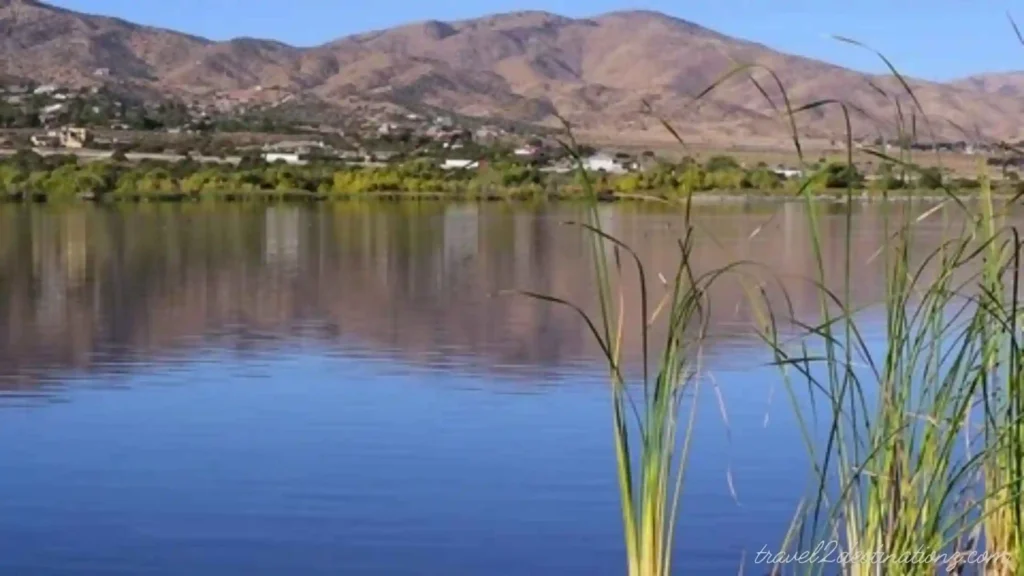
(934, 39)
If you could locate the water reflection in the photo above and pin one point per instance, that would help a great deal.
(339, 389)
(85, 289)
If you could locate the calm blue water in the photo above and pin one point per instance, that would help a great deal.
(215, 391)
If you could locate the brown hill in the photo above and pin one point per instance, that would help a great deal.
(1009, 84)
(528, 66)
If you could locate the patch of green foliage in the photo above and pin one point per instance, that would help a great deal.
(27, 175)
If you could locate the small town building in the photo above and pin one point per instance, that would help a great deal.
(73, 137)
(603, 163)
(286, 157)
(66, 137)
(459, 164)
(48, 140)
(788, 172)
(487, 134)
(53, 109)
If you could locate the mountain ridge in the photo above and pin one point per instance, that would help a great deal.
(599, 72)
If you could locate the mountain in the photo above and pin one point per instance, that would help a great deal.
(527, 66)
(1009, 84)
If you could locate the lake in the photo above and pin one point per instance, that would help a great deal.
(346, 389)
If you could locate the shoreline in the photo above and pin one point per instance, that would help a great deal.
(303, 196)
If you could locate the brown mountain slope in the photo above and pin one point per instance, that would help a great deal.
(527, 66)
(1009, 84)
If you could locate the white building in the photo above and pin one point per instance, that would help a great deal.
(46, 89)
(789, 172)
(287, 158)
(603, 163)
(54, 109)
(487, 134)
(455, 164)
(48, 140)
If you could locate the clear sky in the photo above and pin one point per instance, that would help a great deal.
(934, 39)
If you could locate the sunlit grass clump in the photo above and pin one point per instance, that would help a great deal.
(917, 444)
(651, 456)
(895, 433)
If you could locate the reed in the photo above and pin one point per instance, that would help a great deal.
(906, 482)
(651, 433)
(896, 461)
(1002, 394)
(892, 474)
(883, 427)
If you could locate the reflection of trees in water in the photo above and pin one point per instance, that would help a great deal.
(85, 286)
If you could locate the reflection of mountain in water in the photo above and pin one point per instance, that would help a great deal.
(83, 288)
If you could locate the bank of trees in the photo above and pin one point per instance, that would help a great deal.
(27, 175)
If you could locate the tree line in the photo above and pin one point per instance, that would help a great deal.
(29, 176)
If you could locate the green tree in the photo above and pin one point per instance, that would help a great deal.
(28, 160)
(629, 183)
(732, 179)
(888, 179)
(930, 179)
(12, 177)
(119, 154)
(721, 163)
(840, 175)
(764, 179)
(693, 179)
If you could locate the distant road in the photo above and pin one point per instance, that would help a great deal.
(90, 154)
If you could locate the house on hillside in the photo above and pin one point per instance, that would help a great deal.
(487, 134)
